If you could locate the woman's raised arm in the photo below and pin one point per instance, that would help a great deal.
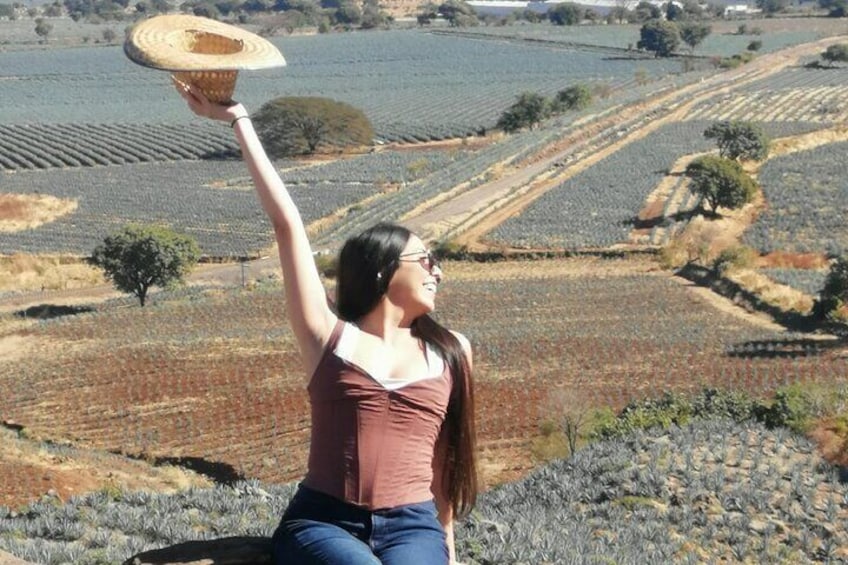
(310, 316)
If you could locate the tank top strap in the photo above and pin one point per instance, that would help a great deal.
(335, 335)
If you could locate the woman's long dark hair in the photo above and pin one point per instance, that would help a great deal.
(366, 265)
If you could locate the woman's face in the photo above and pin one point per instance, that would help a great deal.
(416, 280)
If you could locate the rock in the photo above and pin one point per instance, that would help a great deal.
(224, 551)
(8, 559)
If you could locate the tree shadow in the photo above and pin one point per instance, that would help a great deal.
(50, 311)
(229, 154)
(662, 220)
(792, 320)
(220, 473)
(783, 348)
(239, 550)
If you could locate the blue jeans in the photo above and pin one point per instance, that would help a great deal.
(318, 529)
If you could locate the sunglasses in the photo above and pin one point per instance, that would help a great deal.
(427, 261)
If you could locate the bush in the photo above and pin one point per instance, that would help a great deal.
(674, 409)
(793, 407)
(836, 53)
(736, 257)
(530, 109)
(300, 125)
(575, 97)
(834, 295)
(645, 414)
(450, 249)
(327, 264)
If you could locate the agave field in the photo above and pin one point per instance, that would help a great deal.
(808, 281)
(214, 375)
(45, 146)
(211, 200)
(598, 207)
(724, 40)
(412, 85)
(811, 95)
(709, 490)
(808, 197)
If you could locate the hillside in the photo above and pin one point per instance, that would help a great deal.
(711, 491)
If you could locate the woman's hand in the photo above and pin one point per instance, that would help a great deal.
(202, 106)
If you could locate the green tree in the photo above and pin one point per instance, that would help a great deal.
(837, 53)
(348, 14)
(566, 14)
(298, 125)
(254, 6)
(755, 45)
(137, 258)
(109, 35)
(693, 33)
(834, 295)
(43, 29)
(692, 10)
(428, 12)
(618, 15)
(770, 7)
(835, 8)
(739, 140)
(645, 11)
(662, 38)
(529, 15)
(53, 10)
(674, 13)
(458, 13)
(530, 109)
(575, 97)
(373, 15)
(721, 182)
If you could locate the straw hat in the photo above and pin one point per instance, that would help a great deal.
(200, 51)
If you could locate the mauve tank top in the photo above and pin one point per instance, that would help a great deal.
(371, 446)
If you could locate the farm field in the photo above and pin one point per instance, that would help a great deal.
(598, 207)
(724, 40)
(808, 196)
(212, 375)
(796, 94)
(411, 84)
(620, 500)
(213, 200)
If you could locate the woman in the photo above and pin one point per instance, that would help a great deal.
(391, 461)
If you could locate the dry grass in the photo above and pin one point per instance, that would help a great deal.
(784, 297)
(39, 272)
(75, 471)
(20, 212)
(784, 260)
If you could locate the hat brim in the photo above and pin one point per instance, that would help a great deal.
(192, 43)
